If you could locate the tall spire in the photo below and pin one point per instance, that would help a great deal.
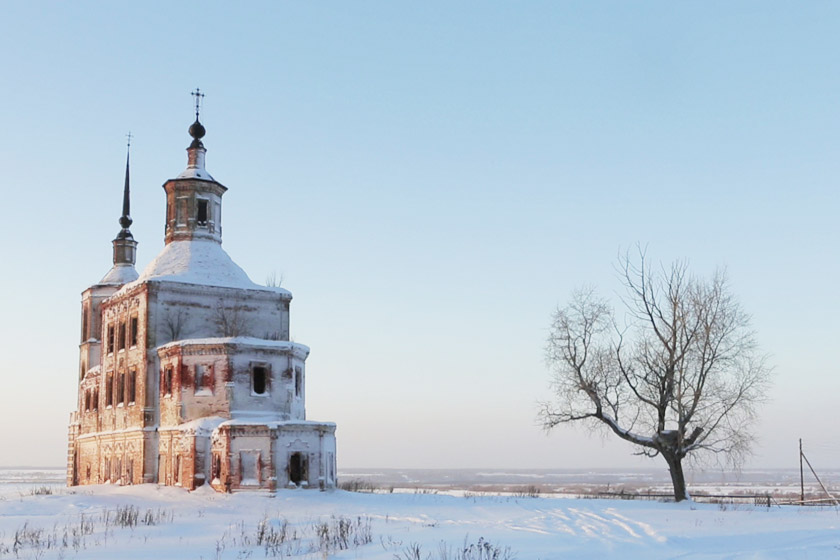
(125, 247)
(125, 220)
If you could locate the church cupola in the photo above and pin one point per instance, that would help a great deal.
(125, 247)
(194, 198)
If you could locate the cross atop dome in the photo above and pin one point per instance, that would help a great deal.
(198, 98)
(197, 130)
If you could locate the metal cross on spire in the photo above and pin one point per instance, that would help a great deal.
(129, 137)
(198, 97)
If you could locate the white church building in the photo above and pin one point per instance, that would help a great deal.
(187, 375)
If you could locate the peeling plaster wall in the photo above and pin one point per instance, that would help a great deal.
(279, 396)
(183, 311)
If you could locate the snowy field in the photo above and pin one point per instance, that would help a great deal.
(148, 521)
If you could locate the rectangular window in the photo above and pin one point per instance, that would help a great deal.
(133, 331)
(109, 390)
(199, 378)
(132, 386)
(298, 381)
(201, 213)
(87, 401)
(121, 388)
(111, 336)
(259, 379)
(167, 381)
(121, 337)
(96, 399)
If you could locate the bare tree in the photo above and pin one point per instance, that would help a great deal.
(682, 377)
(231, 319)
(272, 280)
(174, 322)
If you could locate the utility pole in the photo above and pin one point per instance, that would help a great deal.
(801, 476)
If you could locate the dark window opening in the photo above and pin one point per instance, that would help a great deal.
(167, 381)
(298, 381)
(132, 386)
(133, 331)
(297, 468)
(106, 475)
(258, 373)
(122, 336)
(201, 215)
(111, 335)
(121, 388)
(87, 401)
(96, 399)
(216, 470)
(109, 390)
(199, 377)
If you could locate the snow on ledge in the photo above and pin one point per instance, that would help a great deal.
(200, 426)
(240, 419)
(238, 340)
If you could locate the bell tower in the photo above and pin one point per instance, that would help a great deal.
(194, 198)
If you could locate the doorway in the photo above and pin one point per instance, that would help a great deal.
(298, 468)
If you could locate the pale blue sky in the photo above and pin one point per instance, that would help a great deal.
(431, 180)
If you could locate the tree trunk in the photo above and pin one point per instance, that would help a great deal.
(677, 477)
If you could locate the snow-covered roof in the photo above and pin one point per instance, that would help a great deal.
(120, 274)
(195, 173)
(199, 261)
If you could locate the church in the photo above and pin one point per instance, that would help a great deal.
(186, 373)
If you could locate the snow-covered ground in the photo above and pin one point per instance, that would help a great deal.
(147, 521)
